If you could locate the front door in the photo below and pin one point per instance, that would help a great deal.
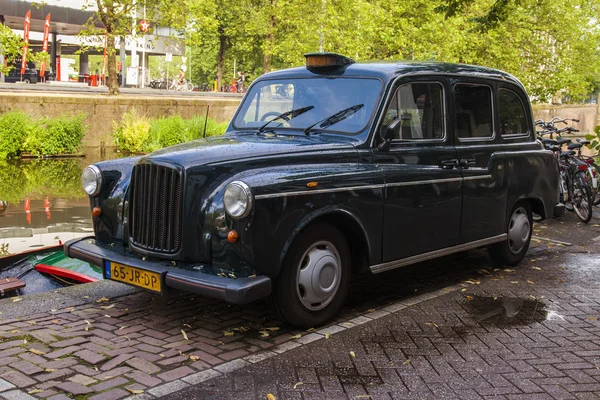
(477, 145)
(423, 193)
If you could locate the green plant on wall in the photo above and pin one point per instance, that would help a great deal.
(14, 128)
(136, 133)
(595, 140)
(61, 135)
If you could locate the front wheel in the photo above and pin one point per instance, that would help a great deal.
(315, 277)
(582, 197)
(518, 236)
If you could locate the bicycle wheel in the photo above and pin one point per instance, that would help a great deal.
(592, 181)
(596, 198)
(582, 197)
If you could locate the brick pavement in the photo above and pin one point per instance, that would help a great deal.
(458, 345)
(140, 343)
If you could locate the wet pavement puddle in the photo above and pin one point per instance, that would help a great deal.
(506, 310)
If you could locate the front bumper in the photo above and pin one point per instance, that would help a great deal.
(237, 291)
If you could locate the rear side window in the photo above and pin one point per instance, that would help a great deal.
(513, 120)
(473, 111)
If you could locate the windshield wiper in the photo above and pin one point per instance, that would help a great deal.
(335, 118)
(286, 116)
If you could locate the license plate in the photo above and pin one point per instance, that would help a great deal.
(135, 276)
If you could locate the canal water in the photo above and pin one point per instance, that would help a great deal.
(42, 203)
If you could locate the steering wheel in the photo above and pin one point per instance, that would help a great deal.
(269, 114)
(283, 123)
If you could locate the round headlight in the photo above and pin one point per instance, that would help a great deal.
(238, 199)
(91, 180)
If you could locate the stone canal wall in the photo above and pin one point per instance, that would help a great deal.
(102, 110)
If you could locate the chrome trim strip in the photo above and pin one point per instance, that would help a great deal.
(476, 177)
(434, 254)
(367, 187)
(432, 181)
(317, 191)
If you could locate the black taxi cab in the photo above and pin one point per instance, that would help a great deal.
(327, 170)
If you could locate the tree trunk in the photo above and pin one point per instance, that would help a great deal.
(269, 41)
(221, 57)
(112, 81)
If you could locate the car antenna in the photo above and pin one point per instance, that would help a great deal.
(206, 120)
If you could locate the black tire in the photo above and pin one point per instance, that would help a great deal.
(26, 80)
(582, 197)
(289, 297)
(596, 200)
(511, 251)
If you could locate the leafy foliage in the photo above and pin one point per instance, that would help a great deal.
(132, 133)
(551, 46)
(15, 126)
(595, 139)
(11, 46)
(61, 135)
(136, 133)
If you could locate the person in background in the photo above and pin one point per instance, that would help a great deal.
(240, 82)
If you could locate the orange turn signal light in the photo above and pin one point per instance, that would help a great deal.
(312, 184)
(232, 236)
(96, 211)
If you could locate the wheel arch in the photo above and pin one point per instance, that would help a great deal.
(349, 225)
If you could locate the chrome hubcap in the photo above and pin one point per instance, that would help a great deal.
(519, 229)
(319, 275)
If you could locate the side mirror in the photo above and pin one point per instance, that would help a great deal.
(389, 135)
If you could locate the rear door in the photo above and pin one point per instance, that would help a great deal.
(422, 208)
(478, 148)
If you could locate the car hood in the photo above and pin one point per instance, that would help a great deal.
(236, 147)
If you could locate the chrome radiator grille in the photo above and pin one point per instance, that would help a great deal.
(155, 208)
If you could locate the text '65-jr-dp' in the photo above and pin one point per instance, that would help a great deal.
(327, 170)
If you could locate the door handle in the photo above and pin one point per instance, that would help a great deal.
(449, 164)
(466, 163)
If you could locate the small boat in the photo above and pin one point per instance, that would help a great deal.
(43, 270)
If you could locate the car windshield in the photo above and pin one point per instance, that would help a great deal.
(307, 102)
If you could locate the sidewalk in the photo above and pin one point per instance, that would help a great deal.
(141, 345)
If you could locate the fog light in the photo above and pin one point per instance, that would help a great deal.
(96, 211)
(232, 236)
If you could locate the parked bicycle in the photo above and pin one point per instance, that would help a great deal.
(575, 190)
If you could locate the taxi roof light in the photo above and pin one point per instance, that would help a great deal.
(326, 60)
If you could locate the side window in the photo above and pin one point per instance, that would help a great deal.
(420, 107)
(473, 111)
(513, 120)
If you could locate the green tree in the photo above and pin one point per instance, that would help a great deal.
(11, 46)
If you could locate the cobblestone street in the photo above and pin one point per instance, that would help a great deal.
(442, 329)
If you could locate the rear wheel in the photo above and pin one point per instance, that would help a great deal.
(314, 281)
(596, 198)
(518, 231)
(582, 197)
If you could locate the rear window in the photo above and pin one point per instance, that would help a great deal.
(513, 119)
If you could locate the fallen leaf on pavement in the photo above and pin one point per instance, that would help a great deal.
(187, 326)
(514, 282)
(469, 297)
(228, 333)
(310, 330)
(194, 358)
(530, 281)
(17, 299)
(271, 397)
(31, 322)
(297, 384)
(352, 354)
(327, 335)
(591, 319)
(406, 362)
(107, 307)
(36, 351)
(102, 300)
(298, 336)
(34, 391)
(263, 333)
(371, 310)
(184, 335)
(537, 268)
(509, 270)
(50, 370)
(135, 391)
(273, 328)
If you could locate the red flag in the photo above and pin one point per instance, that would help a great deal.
(104, 58)
(26, 39)
(45, 44)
